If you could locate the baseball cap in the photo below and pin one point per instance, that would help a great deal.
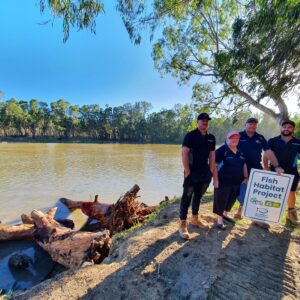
(251, 120)
(203, 116)
(288, 122)
(233, 133)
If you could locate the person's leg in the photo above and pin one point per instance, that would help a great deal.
(292, 200)
(232, 194)
(199, 191)
(188, 190)
(220, 200)
(241, 199)
(185, 201)
(292, 213)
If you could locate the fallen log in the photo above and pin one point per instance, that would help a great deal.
(68, 247)
(16, 232)
(22, 231)
(71, 204)
(65, 222)
(125, 213)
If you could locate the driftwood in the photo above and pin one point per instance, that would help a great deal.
(22, 231)
(68, 247)
(16, 232)
(126, 212)
(65, 222)
(26, 230)
(71, 204)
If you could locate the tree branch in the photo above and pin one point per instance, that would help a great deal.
(253, 102)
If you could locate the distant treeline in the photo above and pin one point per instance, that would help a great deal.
(126, 123)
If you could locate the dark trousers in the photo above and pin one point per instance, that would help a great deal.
(190, 189)
(224, 198)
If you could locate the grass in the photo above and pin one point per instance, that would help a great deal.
(123, 235)
(152, 217)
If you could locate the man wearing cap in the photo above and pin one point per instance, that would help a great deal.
(287, 148)
(198, 159)
(251, 145)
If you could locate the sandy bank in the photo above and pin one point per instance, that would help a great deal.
(243, 262)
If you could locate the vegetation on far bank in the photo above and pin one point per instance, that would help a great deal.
(130, 123)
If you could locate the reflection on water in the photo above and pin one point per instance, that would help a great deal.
(36, 175)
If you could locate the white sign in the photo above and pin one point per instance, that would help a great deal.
(266, 196)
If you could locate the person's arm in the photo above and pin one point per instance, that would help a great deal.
(267, 147)
(271, 157)
(212, 160)
(213, 168)
(186, 161)
(245, 173)
(266, 162)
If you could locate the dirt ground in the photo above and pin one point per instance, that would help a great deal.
(242, 262)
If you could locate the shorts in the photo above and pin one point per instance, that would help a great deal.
(224, 198)
(242, 194)
(295, 182)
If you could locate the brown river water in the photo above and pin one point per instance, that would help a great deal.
(35, 176)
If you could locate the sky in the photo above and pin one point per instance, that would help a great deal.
(105, 68)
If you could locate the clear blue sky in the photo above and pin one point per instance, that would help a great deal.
(105, 68)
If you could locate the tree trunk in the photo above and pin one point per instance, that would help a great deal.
(68, 247)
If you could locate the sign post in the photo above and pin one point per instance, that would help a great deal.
(266, 196)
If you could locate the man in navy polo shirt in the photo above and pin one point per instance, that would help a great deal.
(198, 159)
(287, 148)
(252, 144)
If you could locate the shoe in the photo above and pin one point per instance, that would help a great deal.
(183, 232)
(238, 216)
(221, 226)
(261, 224)
(292, 216)
(197, 223)
(230, 220)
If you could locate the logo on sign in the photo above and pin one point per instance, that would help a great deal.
(261, 212)
(256, 202)
(272, 204)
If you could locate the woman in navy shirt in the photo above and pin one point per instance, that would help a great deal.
(232, 171)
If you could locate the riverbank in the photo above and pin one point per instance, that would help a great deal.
(242, 262)
(81, 140)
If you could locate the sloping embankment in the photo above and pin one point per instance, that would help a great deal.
(242, 262)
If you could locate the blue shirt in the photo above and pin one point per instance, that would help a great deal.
(286, 153)
(230, 166)
(252, 148)
(200, 146)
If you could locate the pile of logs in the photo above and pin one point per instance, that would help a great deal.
(72, 248)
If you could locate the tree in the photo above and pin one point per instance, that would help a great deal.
(60, 118)
(250, 53)
(79, 13)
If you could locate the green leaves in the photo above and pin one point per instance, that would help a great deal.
(75, 13)
(247, 54)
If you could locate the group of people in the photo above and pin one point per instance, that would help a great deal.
(229, 166)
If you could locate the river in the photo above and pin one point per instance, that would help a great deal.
(35, 176)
